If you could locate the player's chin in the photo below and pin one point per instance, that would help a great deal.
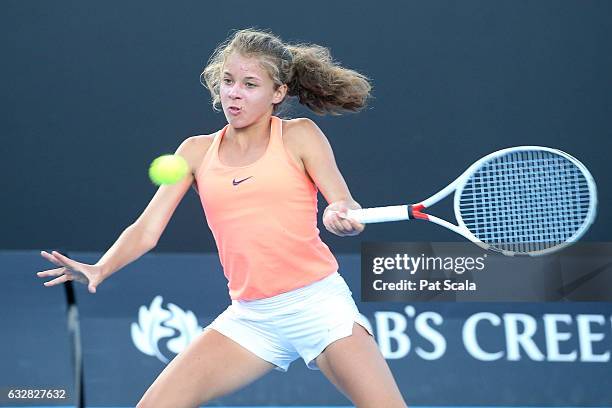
(241, 120)
(235, 122)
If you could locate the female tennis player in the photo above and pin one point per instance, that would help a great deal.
(257, 179)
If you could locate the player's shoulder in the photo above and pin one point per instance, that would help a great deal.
(193, 149)
(202, 141)
(300, 126)
(304, 137)
(302, 132)
(195, 144)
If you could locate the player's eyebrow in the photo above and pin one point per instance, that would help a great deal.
(226, 73)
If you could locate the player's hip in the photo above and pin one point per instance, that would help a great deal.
(298, 304)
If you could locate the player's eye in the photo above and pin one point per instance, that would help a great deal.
(251, 85)
(227, 81)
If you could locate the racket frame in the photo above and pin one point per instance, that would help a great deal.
(415, 211)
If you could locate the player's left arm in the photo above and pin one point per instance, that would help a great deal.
(317, 156)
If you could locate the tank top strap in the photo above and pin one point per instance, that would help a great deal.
(211, 154)
(277, 144)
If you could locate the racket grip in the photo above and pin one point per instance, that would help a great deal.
(379, 214)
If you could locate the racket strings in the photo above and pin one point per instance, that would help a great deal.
(525, 201)
(536, 167)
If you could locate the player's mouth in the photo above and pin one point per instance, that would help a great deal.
(234, 110)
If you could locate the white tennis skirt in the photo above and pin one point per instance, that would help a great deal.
(299, 323)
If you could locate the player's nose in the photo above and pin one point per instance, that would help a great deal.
(234, 92)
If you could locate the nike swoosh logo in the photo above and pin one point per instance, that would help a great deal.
(234, 182)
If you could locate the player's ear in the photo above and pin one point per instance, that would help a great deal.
(279, 94)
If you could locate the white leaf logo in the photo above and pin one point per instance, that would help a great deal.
(157, 323)
(149, 330)
(187, 326)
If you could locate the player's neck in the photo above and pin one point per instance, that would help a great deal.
(256, 134)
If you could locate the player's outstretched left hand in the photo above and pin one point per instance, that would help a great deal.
(69, 269)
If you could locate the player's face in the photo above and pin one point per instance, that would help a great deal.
(247, 90)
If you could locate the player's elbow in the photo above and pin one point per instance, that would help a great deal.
(150, 243)
(147, 238)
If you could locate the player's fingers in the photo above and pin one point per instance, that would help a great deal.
(336, 231)
(352, 230)
(346, 224)
(58, 280)
(51, 272)
(331, 225)
(332, 228)
(50, 258)
(337, 223)
(64, 260)
(357, 226)
(343, 214)
(334, 214)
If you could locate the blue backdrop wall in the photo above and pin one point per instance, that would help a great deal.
(92, 92)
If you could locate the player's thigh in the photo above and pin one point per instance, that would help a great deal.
(355, 365)
(211, 366)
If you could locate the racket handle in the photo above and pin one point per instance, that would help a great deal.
(379, 214)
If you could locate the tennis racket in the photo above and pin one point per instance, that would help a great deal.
(522, 200)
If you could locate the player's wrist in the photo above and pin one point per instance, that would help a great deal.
(347, 203)
(103, 269)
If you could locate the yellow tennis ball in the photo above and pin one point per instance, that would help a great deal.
(168, 169)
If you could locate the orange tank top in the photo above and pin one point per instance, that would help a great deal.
(264, 220)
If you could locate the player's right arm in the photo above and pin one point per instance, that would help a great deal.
(138, 238)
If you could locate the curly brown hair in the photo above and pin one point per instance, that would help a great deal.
(308, 70)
